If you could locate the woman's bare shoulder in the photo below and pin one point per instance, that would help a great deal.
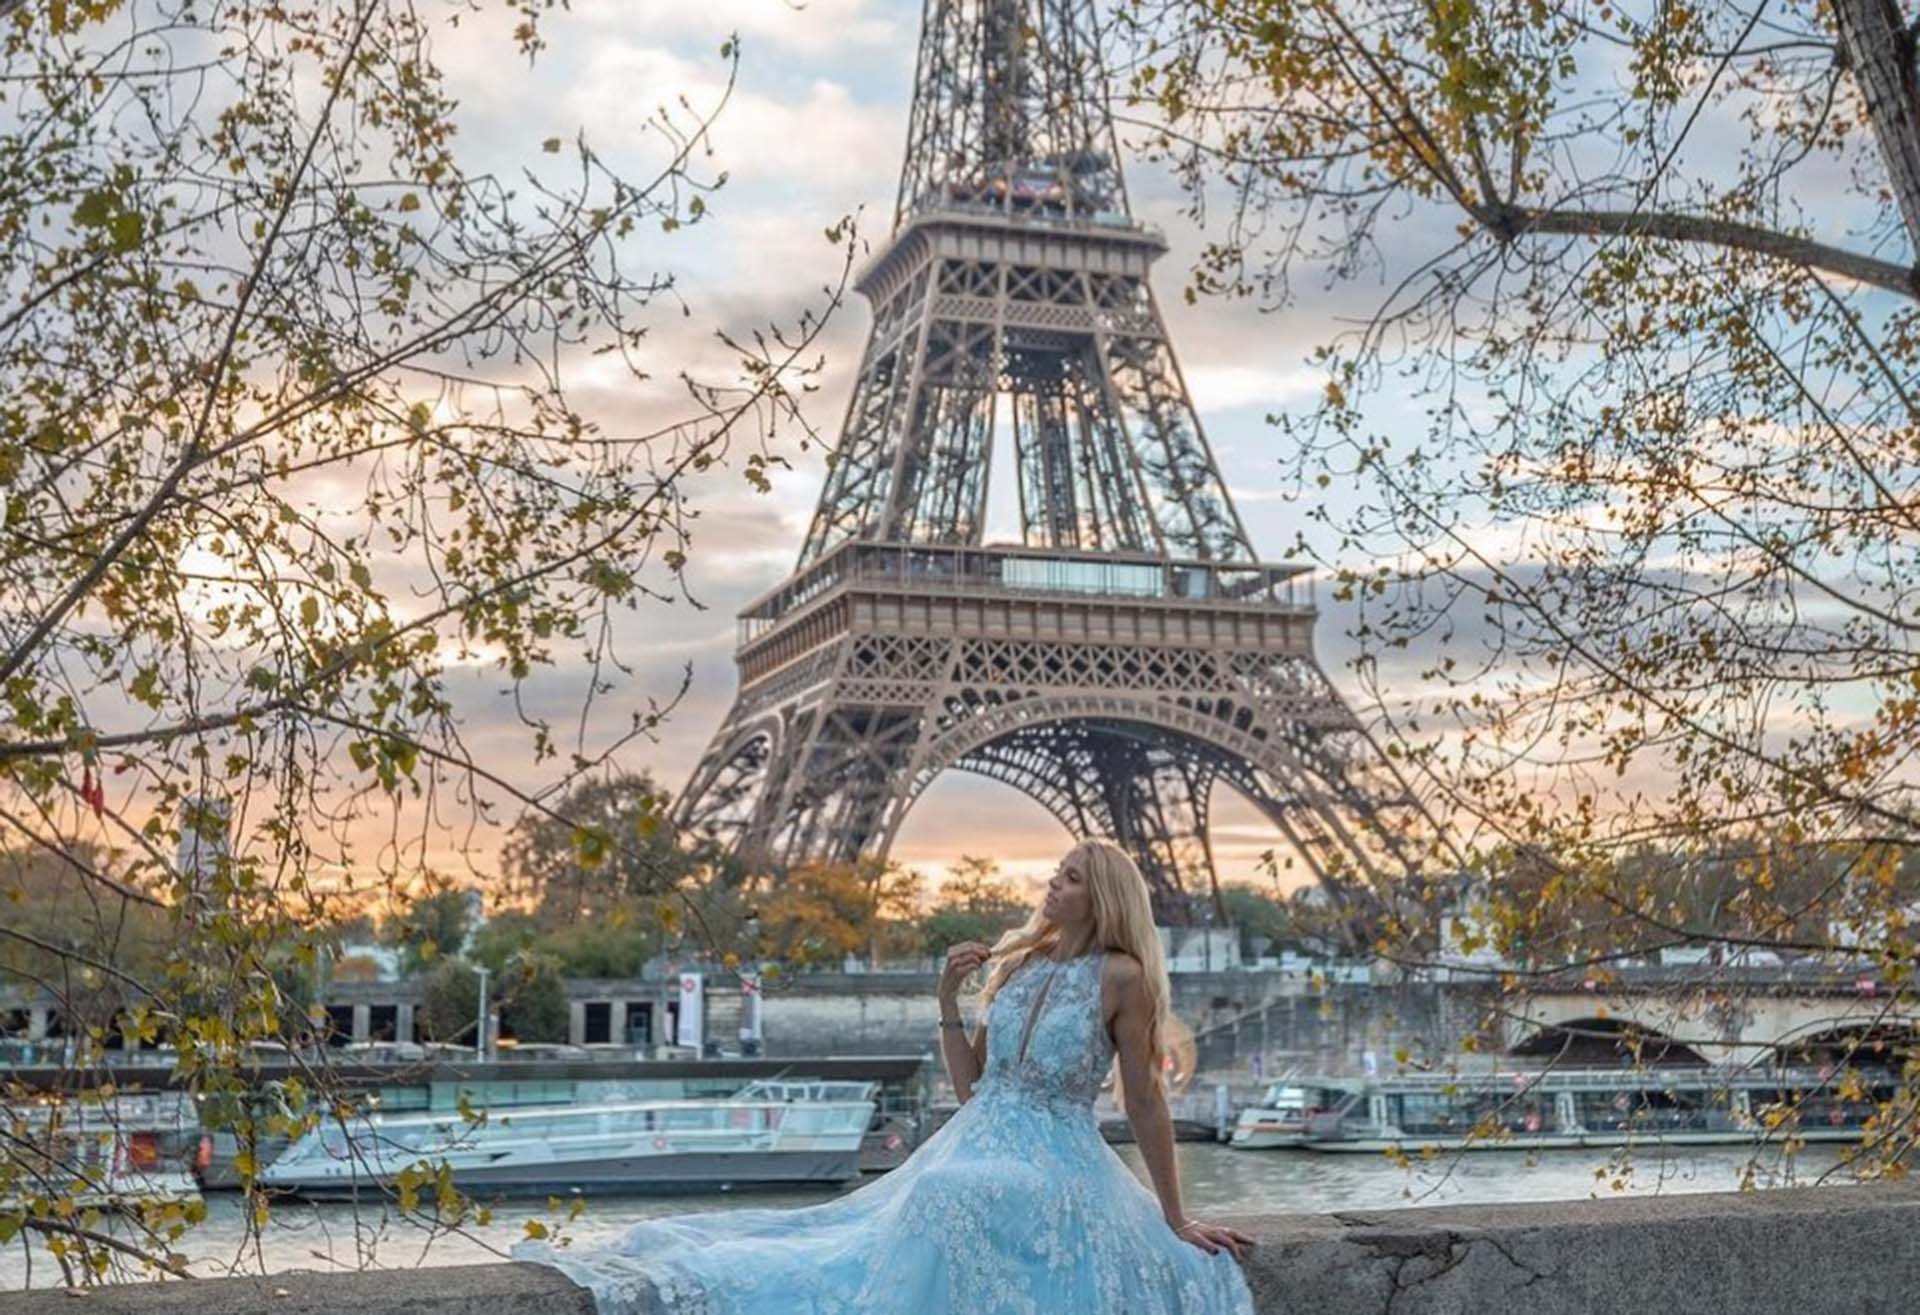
(1120, 978)
(1121, 968)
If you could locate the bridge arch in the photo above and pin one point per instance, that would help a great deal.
(1862, 1043)
(1597, 1042)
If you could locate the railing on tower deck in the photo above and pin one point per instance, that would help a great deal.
(1013, 569)
(1098, 223)
(1112, 224)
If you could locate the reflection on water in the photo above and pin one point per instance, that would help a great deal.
(1215, 1180)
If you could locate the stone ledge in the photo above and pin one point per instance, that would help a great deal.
(1795, 1252)
(504, 1289)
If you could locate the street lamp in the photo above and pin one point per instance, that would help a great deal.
(480, 1037)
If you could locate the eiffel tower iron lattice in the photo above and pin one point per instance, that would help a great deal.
(1131, 652)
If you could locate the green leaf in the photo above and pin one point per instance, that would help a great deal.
(589, 846)
(405, 755)
(126, 230)
(94, 211)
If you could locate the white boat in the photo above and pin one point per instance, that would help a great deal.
(1529, 1109)
(1279, 1119)
(771, 1131)
(119, 1154)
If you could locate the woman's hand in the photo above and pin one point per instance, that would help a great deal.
(1211, 1237)
(962, 958)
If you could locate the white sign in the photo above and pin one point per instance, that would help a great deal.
(692, 1011)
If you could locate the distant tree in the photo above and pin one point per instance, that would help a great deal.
(605, 841)
(819, 913)
(504, 936)
(1258, 915)
(356, 968)
(617, 944)
(450, 1001)
(431, 926)
(974, 904)
(53, 923)
(533, 999)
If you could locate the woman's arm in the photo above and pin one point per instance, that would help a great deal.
(964, 1059)
(1146, 1101)
(961, 1055)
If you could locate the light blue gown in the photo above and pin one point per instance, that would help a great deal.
(1016, 1205)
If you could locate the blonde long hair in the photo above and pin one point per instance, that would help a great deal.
(1122, 920)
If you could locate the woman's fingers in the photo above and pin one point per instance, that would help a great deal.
(1211, 1237)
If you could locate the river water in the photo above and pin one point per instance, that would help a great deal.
(1216, 1180)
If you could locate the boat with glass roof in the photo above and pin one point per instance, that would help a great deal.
(768, 1133)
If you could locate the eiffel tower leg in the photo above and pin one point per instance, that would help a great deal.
(835, 805)
(718, 801)
(1159, 805)
(1366, 815)
(733, 797)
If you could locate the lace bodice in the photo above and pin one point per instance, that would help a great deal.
(1056, 1057)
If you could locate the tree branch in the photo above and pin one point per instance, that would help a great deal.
(1508, 222)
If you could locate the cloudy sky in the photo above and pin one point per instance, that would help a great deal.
(813, 132)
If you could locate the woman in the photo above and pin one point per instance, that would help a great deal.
(1016, 1204)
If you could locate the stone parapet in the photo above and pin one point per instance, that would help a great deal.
(1791, 1252)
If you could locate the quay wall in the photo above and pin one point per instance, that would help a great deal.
(1235, 1016)
(1286, 1017)
(1803, 1251)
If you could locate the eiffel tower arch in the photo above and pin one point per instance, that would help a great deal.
(1131, 651)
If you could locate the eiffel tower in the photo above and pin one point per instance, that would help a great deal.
(1131, 651)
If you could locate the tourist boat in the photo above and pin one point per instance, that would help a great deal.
(122, 1153)
(769, 1132)
(1547, 1108)
(1279, 1119)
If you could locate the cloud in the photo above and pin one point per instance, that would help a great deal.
(814, 28)
(816, 138)
(1224, 386)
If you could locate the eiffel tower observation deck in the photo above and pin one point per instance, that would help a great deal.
(1131, 651)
